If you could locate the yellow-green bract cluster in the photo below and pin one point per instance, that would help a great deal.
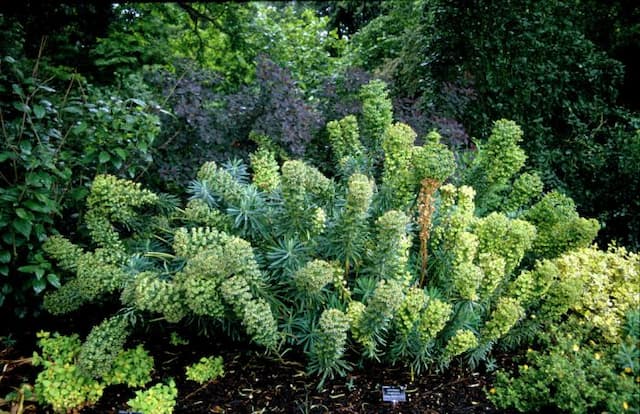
(102, 346)
(344, 136)
(501, 157)
(560, 228)
(314, 276)
(330, 345)
(377, 113)
(390, 255)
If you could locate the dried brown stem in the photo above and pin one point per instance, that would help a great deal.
(426, 208)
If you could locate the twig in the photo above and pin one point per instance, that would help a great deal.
(43, 42)
(203, 386)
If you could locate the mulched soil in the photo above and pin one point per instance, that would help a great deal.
(255, 383)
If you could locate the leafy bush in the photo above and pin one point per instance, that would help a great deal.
(205, 370)
(575, 373)
(209, 125)
(546, 65)
(583, 321)
(52, 145)
(66, 386)
(297, 259)
(160, 398)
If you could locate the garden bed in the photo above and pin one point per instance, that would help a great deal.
(258, 383)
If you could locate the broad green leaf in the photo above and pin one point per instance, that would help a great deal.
(5, 256)
(26, 147)
(116, 163)
(41, 233)
(22, 226)
(78, 193)
(36, 206)
(53, 280)
(17, 89)
(8, 237)
(4, 270)
(73, 110)
(39, 111)
(21, 107)
(39, 286)
(138, 102)
(31, 269)
(104, 157)
(24, 214)
(121, 153)
(6, 156)
(80, 128)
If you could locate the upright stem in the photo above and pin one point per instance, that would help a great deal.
(426, 208)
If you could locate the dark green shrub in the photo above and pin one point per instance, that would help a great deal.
(547, 66)
(53, 143)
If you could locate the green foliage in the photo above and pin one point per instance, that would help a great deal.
(502, 146)
(327, 351)
(33, 179)
(575, 374)
(160, 398)
(265, 170)
(462, 341)
(102, 346)
(525, 188)
(65, 386)
(585, 305)
(97, 273)
(138, 36)
(389, 257)
(347, 235)
(545, 64)
(56, 137)
(560, 228)
(432, 160)
(497, 163)
(503, 237)
(327, 266)
(114, 132)
(376, 117)
(206, 370)
(370, 327)
(599, 286)
(299, 40)
(506, 314)
(380, 43)
(397, 177)
(132, 367)
(344, 136)
(314, 276)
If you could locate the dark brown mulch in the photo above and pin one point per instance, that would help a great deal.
(255, 383)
